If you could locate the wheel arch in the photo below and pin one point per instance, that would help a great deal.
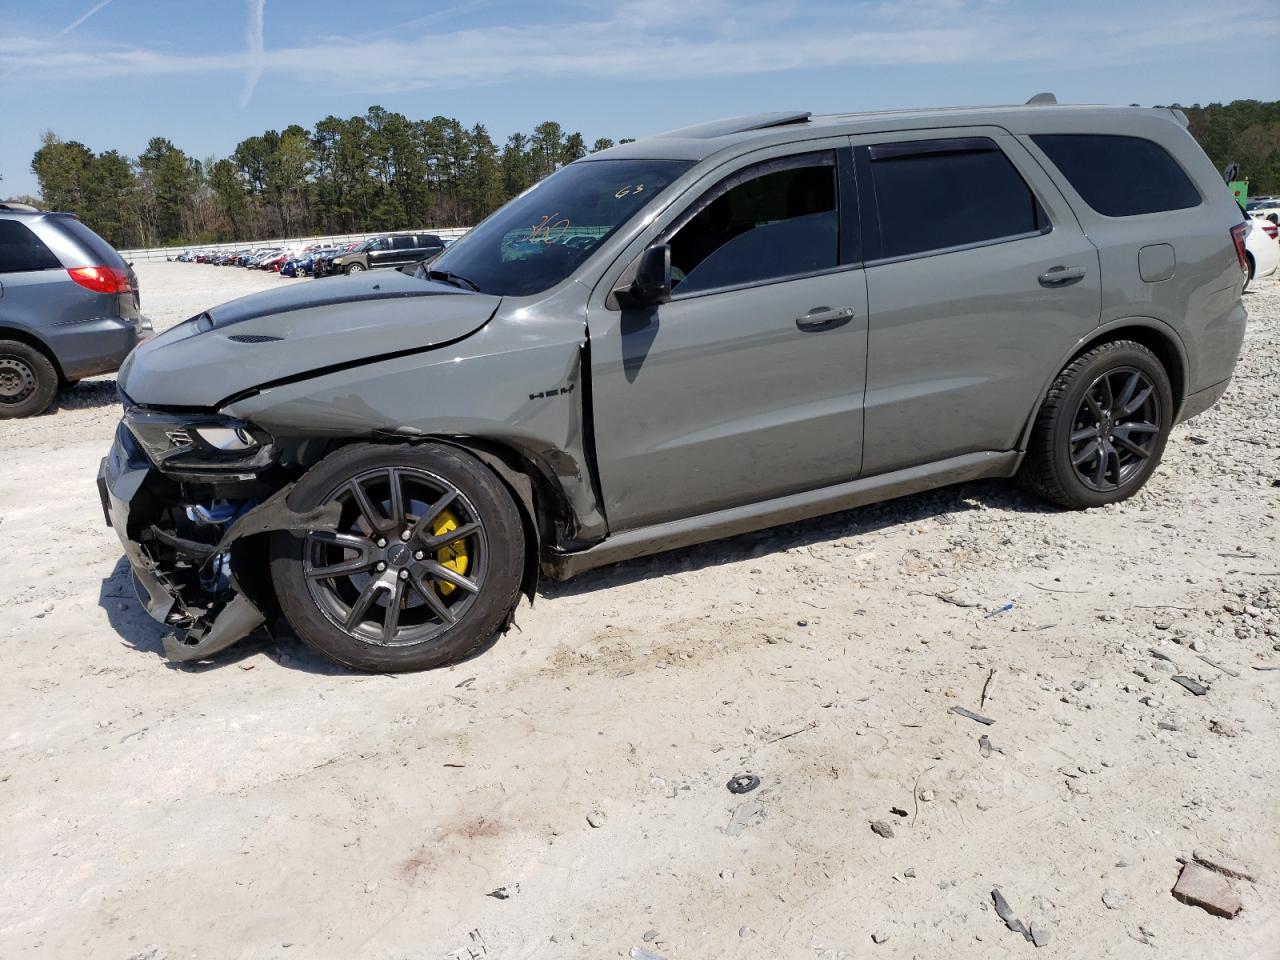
(22, 335)
(1156, 336)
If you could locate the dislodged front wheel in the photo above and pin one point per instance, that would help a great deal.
(422, 568)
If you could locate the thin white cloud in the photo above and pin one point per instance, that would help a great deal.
(257, 56)
(690, 39)
(63, 32)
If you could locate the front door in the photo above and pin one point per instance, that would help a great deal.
(979, 281)
(748, 384)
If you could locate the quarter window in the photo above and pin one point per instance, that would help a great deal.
(21, 251)
(936, 194)
(773, 220)
(1120, 176)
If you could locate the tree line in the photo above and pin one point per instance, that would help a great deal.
(368, 173)
(382, 171)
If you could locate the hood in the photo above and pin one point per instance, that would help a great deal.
(296, 330)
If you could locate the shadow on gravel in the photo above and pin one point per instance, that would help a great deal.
(84, 396)
(140, 632)
(941, 504)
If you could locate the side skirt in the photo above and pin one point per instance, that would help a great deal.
(675, 534)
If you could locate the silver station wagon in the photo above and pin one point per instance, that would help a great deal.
(715, 330)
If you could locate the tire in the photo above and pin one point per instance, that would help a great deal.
(348, 617)
(1082, 454)
(354, 268)
(1252, 268)
(28, 380)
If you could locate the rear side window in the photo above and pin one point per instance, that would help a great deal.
(402, 243)
(1120, 176)
(21, 251)
(102, 253)
(936, 194)
(778, 219)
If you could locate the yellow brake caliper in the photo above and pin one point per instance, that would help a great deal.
(452, 555)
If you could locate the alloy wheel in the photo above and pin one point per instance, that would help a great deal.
(1116, 429)
(406, 562)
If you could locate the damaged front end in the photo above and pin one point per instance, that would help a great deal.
(193, 498)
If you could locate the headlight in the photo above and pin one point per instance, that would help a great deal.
(205, 443)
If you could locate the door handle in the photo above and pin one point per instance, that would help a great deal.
(1058, 276)
(824, 318)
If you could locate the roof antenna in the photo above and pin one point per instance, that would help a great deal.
(1042, 99)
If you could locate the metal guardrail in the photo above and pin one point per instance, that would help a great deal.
(169, 253)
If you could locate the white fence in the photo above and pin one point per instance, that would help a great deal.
(169, 253)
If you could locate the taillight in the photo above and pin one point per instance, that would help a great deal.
(102, 279)
(1237, 235)
(1270, 229)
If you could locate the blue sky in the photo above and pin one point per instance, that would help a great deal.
(207, 73)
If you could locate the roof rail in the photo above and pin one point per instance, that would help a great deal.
(731, 125)
(1042, 100)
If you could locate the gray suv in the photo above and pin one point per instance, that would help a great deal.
(716, 330)
(69, 308)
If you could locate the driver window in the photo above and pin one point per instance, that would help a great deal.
(775, 220)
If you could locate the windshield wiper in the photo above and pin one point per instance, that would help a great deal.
(453, 278)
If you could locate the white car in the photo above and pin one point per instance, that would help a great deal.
(1262, 248)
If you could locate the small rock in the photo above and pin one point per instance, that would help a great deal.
(909, 872)
(1039, 933)
(726, 874)
(504, 893)
(745, 932)
(1169, 725)
(596, 819)
(371, 886)
(1113, 899)
(926, 796)
(649, 936)
(879, 936)
(1201, 887)
(882, 828)
(1078, 788)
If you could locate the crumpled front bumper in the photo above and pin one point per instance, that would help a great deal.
(203, 624)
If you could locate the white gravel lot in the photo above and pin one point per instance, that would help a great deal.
(269, 805)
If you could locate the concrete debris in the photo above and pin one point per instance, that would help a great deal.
(1113, 899)
(1227, 866)
(1201, 887)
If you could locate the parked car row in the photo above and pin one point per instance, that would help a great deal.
(325, 259)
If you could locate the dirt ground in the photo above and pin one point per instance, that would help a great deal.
(564, 793)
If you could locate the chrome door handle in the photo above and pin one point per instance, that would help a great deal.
(824, 318)
(1057, 276)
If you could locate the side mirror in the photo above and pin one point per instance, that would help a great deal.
(652, 284)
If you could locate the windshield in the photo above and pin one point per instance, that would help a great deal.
(542, 236)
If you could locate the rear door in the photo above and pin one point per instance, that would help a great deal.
(979, 279)
(747, 385)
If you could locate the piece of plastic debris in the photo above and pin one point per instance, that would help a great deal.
(743, 783)
(961, 711)
(1199, 689)
(999, 610)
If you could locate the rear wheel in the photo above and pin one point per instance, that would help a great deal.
(424, 565)
(1102, 428)
(28, 380)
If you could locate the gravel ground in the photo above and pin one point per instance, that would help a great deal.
(564, 794)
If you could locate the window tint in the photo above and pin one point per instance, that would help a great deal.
(402, 243)
(769, 223)
(935, 194)
(1120, 176)
(22, 251)
(103, 254)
